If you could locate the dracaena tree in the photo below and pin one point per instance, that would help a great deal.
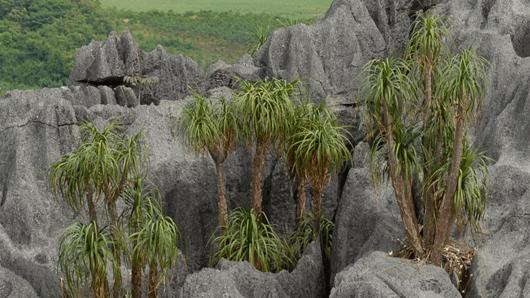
(389, 94)
(212, 127)
(302, 115)
(156, 244)
(100, 168)
(153, 247)
(426, 50)
(317, 148)
(264, 110)
(423, 142)
(463, 86)
(84, 256)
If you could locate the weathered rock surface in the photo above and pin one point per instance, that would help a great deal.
(37, 127)
(378, 275)
(108, 62)
(498, 29)
(12, 286)
(237, 279)
(367, 219)
(222, 74)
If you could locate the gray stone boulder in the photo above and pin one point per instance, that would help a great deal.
(36, 128)
(329, 55)
(222, 74)
(378, 275)
(125, 97)
(501, 267)
(367, 219)
(498, 29)
(12, 286)
(240, 279)
(110, 61)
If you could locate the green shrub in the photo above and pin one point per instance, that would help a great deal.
(303, 235)
(250, 237)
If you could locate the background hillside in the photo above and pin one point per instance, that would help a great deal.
(38, 38)
(290, 8)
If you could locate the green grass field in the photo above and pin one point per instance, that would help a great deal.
(286, 8)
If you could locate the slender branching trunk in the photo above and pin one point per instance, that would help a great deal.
(116, 288)
(446, 215)
(91, 207)
(221, 198)
(137, 275)
(300, 198)
(257, 172)
(429, 211)
(99, 285)
(317, 208)
(403, 197)
(153, 279)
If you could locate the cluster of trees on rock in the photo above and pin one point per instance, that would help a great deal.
(108, 167)
(263, 116)
(419, 108)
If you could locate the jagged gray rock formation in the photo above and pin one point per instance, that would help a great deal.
(379, 275)
(14, 286)
(497, 28)
(367, 219)
(236, 279)
(37, 127)
(108, 62)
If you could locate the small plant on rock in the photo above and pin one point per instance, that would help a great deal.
(303, 235)
(250, 237)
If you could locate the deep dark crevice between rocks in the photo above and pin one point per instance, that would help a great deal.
(111, 82)
(419, 5)
(521, 40)
(486, 8)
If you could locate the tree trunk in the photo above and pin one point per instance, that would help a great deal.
(317, 208)
(257, 172)
(300, 198)
(445, 216)
(136, 278)
(403, 197)
(99, 285)
(429, 218)
(429, 214)
(221, 199)
(92, 207)
(116, 288)
(153, 279)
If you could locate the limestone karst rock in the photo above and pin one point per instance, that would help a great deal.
(379, 275)
(37, 127)
(240, 279)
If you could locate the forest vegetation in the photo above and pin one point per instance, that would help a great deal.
(38, 39)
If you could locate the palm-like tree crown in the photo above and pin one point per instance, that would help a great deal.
(426, 42)
(210, 127)
(318, 145)
(464, 81)
(265, 109)
(98, 165)
(84, 254)
(157, 237)
(386, 83)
